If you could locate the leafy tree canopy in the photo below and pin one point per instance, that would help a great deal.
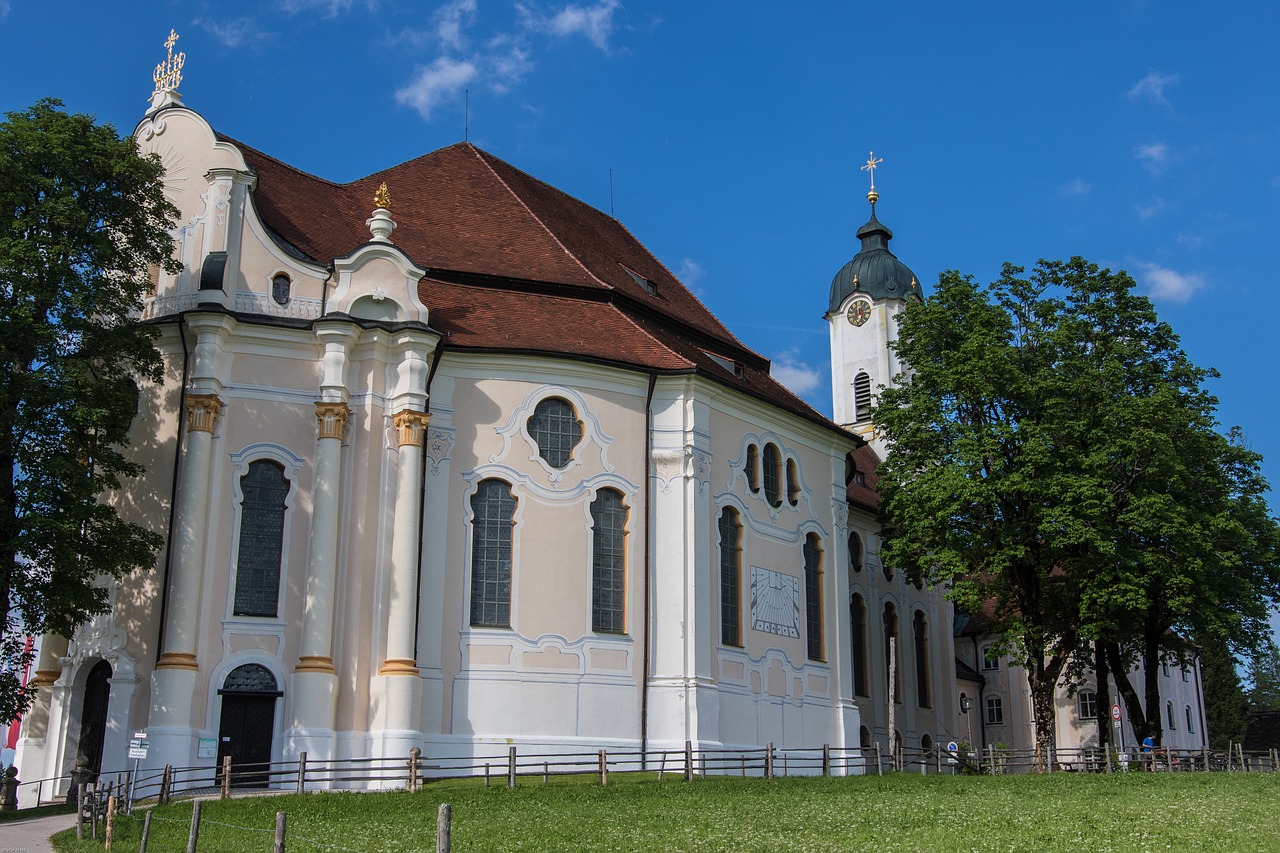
(86, 219)
(1054, 455)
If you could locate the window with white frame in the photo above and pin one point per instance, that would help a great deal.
(813, 596)
(1087, 705)
(1173, 725)
(990, 660)
(1190, 726)
(608, 563)
(555, 428)
(493, 508)
(995, 711)
(772, 475)
(264, 488)
(730, 578)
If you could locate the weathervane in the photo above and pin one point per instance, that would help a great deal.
(168, 74)
(870, 167)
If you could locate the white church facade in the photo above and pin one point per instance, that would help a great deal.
(445, 458)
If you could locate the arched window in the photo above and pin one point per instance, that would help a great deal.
(250, 678)
(813, 595)
(730, 578)
(752, 468)
(855, 552)
(890, 620)
(858, 632)
(1173, 722)
(555, 428)
(920, 635)
(995, 711)
(1087, 705)
(793, 483)
(281, 289)
(264, 488)
(862, 396)
(493, 508)
(608, 562)
(926, 743)
(1190, 726)
(772, 484)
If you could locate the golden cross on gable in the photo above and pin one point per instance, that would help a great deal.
(872, 163)
(168, 74)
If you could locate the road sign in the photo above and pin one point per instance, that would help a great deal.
(137, 752)
(1115, 712)
(953, 747)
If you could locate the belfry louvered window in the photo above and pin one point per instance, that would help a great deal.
(608, 563)
(264, 488)
(862, 397)
(555, 428)
(493, 508)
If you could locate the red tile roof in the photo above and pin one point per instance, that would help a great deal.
(517, 265)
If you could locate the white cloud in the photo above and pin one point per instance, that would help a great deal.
(593, 22)
(330, 8)
(1152, 87)
(1146, 211)
(4, 8)
(507, 62)
(1075, 186)
(1191, 241)
(438, 82)
(1154, 157)
(234, 33)
(451, 20)
(689, 271)
(797, 376)
(1165, 284)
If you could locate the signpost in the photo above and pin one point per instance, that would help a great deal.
(137, 751)
(952, 748)
(1116, 724)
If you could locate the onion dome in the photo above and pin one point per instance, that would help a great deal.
(875, 270)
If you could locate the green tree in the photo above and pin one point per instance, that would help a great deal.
(1264, 679)
(1044, 443)
(1226, 708)
(86, 219)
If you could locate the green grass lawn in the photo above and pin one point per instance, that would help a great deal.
(1069, 812)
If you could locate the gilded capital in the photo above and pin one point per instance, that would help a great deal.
(411, 426)
(177, 660)
(332, 419)
(45, 677)
(315, 663)
(202, 412)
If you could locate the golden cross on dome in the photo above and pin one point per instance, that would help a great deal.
(872, 163)
(168, 74)
(382, 198)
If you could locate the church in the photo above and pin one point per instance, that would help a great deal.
(445, 458)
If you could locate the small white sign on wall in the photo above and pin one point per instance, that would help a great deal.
(775, 602)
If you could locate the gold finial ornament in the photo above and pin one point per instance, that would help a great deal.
(168, 74)
(382, 198)
(871, 165)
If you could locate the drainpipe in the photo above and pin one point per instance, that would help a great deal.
(648, 569)
(431, 374)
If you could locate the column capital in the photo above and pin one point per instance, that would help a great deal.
(411, 426)
(315, 663)
(331, 418)
(45, 677)
(202, 412)
(177, 660)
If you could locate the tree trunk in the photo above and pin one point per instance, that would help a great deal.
(1152, 635)
(1103, 693)
(1132, 703)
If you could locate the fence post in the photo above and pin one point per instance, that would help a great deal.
(486, 774)
(991, 754)
(146, 833)
(879, 769)
(688, 761)
(1108, 759)
(511, 767)
(826, 759)
(444, 828)
(225, 793)
(1240, 752)
(302, 772)
(768, 760)
(1050, 752)
(166, 784)
(80, 811)
(743, 759)
(281, 818)
(937, 755)
(546, 771)
(663, 766)
(414, 755)
(111, 822)
(604, 768)
(194, 834)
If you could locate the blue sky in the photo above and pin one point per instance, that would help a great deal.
(1140, 135)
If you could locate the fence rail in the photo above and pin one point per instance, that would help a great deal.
(415, 769)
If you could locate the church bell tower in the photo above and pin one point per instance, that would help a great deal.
(867, 294)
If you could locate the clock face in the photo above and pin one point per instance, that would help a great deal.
(859, 312)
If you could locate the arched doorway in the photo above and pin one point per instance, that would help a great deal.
(93, 719)
(247, 723)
